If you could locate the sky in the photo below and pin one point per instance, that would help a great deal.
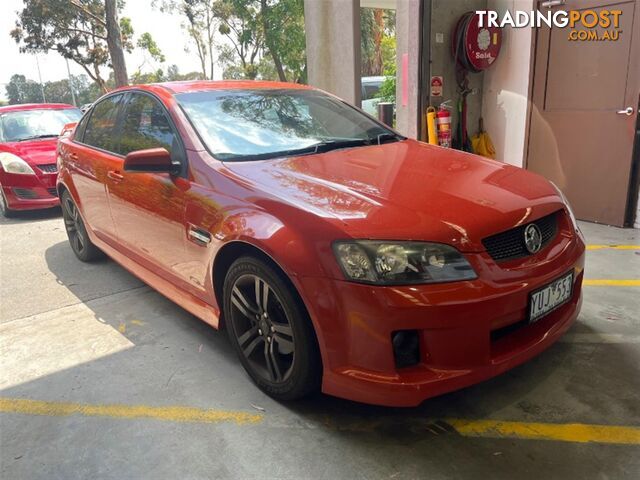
(164, 28)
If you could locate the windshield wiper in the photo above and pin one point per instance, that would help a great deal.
(35, 137)
(319, 147)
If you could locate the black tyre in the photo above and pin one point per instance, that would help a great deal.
(271, 330)
(77, 233)
(5, 211)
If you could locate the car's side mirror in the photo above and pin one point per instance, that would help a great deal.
(156, 160)
(68, 129)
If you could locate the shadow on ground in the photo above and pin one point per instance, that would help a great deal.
(23, 216)
(175, 359)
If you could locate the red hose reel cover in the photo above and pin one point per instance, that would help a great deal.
(481, 44)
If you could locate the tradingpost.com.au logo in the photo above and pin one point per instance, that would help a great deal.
(583, 25)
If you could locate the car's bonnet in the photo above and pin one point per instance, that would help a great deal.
(407, 190)
(35, 152)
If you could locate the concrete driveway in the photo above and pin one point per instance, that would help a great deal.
(101, 377)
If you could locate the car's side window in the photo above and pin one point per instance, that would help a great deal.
(145, 125)
(100, 129)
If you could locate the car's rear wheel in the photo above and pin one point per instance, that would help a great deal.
(5, 211)
(270, 330)
(79, 240)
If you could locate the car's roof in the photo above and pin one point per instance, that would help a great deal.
(204, 85)
(35, 106)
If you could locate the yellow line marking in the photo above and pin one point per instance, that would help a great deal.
(170, 413)
(567, 432)
(601, 282)
(613, 247)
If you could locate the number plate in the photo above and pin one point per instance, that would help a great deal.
(550, 297)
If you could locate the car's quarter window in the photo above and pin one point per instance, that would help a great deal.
(100, 129)
(145, 125)
(82, 125)
(258, 124)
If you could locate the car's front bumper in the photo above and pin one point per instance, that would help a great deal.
(29, 192)
(468, 331)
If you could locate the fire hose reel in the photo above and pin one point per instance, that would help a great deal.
(475, 48)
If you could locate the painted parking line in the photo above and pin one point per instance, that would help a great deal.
(603, 282)
(599, 338)
(573, 432)
(613, 247)
(170, 413)
(565, 432)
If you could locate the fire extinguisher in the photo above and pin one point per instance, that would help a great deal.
(443, 122)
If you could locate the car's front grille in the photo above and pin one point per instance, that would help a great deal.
(510, 245)
(49, 168)
(25, 193)
(52, 191)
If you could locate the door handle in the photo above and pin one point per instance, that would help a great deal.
(74, 156)
(115, 176)
(627, 111)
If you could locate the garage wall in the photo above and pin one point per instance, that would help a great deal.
(444, 16)
(506, 86)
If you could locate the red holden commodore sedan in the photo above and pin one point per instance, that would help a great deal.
(336, 253)
(28, 137)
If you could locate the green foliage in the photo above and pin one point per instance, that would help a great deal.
(74, 28)
(387, 90)
(21, 90)
(376, 25)
(263, 38)
(149, 45)
(285, 42)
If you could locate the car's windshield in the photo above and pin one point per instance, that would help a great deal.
(260, 124)
(39, 123)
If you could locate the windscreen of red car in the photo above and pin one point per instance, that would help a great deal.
(259, 124)
(24, 125)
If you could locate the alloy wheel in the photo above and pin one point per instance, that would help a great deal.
(262, 328)
(73, 224)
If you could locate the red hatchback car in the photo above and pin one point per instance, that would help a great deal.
(337, 253)
(28, 138)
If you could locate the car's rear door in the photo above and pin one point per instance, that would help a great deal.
(148, 208)
(92, 155)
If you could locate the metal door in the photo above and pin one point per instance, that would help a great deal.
(583, 117)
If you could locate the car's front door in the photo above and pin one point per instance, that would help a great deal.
(92, 156)
(148, 208)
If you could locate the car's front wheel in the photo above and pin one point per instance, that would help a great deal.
(5, 211)
(79, 240)
(270, 330)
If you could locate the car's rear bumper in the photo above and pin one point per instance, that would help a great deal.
(467, 331)
(29, 192)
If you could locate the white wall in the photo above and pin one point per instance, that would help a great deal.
(506, 88)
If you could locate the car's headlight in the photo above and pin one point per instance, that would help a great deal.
(398, 263)
(14, 164)
(568, 206)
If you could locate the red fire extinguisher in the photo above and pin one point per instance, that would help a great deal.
(443, 122)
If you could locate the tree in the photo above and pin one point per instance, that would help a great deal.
(262, 37)
(284, 37)
(387, 90)
(85, 31)
(200, 25)
(21, 90)
(173, 75)
(114, 42)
